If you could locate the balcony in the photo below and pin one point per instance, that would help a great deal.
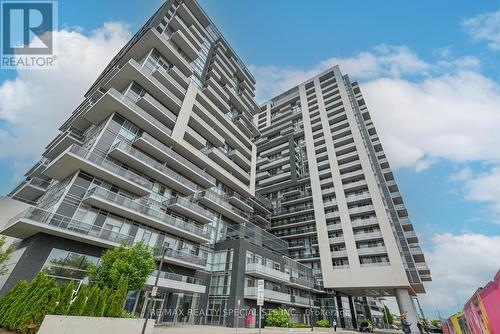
(261, 271)
(176, 282)
(301, 283)
(372, 250)
(240, 202)
(411, 236)
(140, 211)
(195, 139)
(153, 39)
(38, 168)
(133, 157)
(368, 236)
(62, 142)
(285, 212)
(220, 205)
(239, 159)
(357, 197)
(216, 95)
(269, 295)
(30, 189)
(222, 159)
(179, 24)
(34, 220)
(274, 163)
(190, 209)
(361, 209)
(152, 146)
(364, 222)
(339, 254)
(336, 240)
(157, 110)
(182, 258)
(354, 185)
(77, 158)
(302, 301)
(202, 127)
(157, 82)
(115, 101)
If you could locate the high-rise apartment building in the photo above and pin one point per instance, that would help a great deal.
(169, 147)
(335, 200)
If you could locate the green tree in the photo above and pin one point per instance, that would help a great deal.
(9, 300)
(91, 302)
(117, 299)
(44, 305)
(18, 314)
(134, 262)
(101, 302)
(278, 318)
(76, 308)
(436, 323)
(388, 315)
(65, 299)
(4, 256)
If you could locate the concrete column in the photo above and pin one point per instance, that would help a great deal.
(405, 304)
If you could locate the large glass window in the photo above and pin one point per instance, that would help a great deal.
(65, 266)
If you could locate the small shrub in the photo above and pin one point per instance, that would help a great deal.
(277, 318)
(298, 325)
(365, 322)
(43, 306)
(91, 302)
(118, 299)
(9, 300)
(65, 299)
(76, 308)
(101, 303)
(323, 323)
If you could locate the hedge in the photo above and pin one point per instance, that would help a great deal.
(24, 307)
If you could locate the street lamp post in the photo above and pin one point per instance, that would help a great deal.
(153, 291)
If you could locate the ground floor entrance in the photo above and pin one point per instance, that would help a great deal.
(166, 307)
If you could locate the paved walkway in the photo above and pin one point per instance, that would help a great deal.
(199, 329)
(179, 329)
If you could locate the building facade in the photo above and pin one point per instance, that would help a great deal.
(170, 148)
(335, 200)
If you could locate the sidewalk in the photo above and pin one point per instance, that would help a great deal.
(196, 329)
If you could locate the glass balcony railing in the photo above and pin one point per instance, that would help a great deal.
(283, 211)
(221, 200)
(185, 202)
(142, 208)
(177, 277)
(36, 182)
(154, 163)
(182, 256)
(168, 151)
(110, 166)
(54, 220)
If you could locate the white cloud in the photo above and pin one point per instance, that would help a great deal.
(485, 27)
(423, 111)
(380, 62)
(459, 265)
(453, 116)
(484, 187)
(36, 102)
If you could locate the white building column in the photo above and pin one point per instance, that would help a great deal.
(405, 304)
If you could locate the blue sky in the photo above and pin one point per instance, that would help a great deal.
(429, 71)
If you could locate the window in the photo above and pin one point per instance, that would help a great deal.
(67, 266)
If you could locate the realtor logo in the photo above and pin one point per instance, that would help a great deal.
(27, 34)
